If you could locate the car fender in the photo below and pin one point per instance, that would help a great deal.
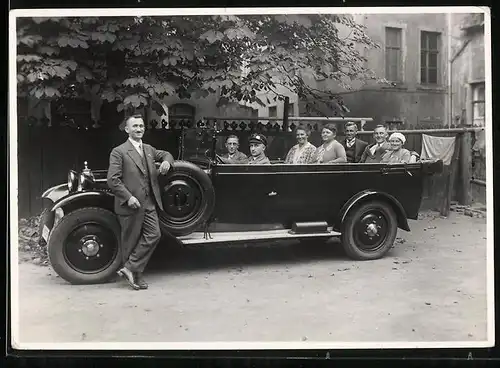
(366, 194)
(93, 195)
(56, 193)
(72, 201)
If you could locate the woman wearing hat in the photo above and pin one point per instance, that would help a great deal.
(331, 151)
(303, 151)
(396, 154)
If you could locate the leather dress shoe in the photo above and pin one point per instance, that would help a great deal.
(129, 277)
(140, 281)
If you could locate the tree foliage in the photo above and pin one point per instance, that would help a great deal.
(137, 60)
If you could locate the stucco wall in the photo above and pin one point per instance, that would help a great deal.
(409, 101)
(468, 66)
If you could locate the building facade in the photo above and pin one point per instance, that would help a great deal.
(467, 65)
(467, 98)
(413, 59)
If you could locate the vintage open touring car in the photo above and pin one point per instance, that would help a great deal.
(208, 202)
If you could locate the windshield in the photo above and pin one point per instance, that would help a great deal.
(197, 143)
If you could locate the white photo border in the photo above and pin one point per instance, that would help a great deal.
(103, 12)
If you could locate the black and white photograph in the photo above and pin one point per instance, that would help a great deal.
(251, 178)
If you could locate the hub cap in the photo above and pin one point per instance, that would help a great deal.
(90, 248)
(181, 200)
(370, 231)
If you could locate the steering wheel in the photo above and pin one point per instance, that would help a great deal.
(219, 159)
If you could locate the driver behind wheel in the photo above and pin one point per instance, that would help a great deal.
(258, 143)
(233, 155)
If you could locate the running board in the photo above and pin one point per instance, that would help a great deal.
(239, 236)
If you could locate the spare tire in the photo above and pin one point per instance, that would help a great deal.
(188, 199)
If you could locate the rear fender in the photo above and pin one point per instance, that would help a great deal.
(370, 195)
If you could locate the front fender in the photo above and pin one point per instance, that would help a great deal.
(69, 203)
(56, 193)
(80, 199)
(372, 194)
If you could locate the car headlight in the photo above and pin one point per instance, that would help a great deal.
(72, 180)
(85, 181)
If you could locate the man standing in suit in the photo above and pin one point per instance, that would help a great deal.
(133, 179)
(354, 147)
(373, 152)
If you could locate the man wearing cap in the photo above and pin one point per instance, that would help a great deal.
(258, 143)
(373, 152)
(233, 155)
(354, 147)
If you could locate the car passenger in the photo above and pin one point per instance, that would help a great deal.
(303, 151)
(331, 151)
(397, 154)
(354, 147)
(258, 143)
(233, 155)
(373, 152)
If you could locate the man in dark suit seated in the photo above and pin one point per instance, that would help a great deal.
(258, 143)
(373, 152)
(233, 155)
(354, 147)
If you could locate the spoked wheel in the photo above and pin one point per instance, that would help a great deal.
(84, 246)
(369, 231)
(188, 199)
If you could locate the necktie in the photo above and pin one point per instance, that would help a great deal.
(140, 149)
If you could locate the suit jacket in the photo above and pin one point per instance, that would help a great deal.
(368, 157)
(127, 175)
(359, 148)
(238, 158)
(259, 160)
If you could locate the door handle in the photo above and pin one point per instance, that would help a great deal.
(272, 194)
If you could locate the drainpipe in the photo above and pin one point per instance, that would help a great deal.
(450, 80)
(450, 68)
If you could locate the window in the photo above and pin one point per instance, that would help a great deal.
(393, 54)
(429, 57)
(291, 109)
(273, 111)
(478, 104)
(181, 112)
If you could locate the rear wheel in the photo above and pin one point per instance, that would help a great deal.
(369, 231)
(84, 246)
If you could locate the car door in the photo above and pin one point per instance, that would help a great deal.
(245, 194)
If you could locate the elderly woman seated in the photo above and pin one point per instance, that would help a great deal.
(303, 151)
(396, 154)
(331, 151)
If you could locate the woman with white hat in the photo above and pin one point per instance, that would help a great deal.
(396, 154)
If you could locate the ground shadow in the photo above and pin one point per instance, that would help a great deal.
(171, 257)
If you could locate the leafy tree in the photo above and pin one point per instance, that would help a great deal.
(138, 60)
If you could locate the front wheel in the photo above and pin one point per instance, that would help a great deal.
(369, 231)
(84, 246)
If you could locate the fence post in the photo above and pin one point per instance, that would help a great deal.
(465, 168)
(285, 114)
(450, 180)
